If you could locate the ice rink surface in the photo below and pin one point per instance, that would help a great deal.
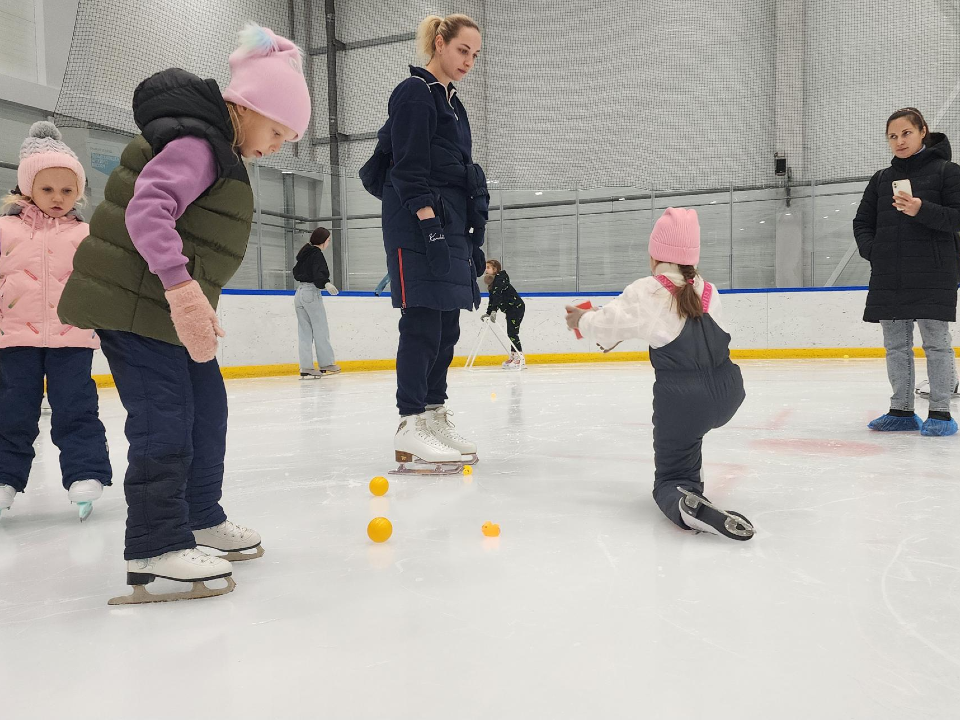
(591, 604)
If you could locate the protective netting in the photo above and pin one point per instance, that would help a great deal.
(673, 94)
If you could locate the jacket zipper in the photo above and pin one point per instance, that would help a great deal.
(44, 277)
(403, 286)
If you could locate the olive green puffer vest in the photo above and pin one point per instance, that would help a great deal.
(113, 289)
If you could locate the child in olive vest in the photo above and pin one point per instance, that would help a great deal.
(171, 232)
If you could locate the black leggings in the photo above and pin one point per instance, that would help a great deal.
(514, 318)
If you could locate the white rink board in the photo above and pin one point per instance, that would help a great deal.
(262, 329)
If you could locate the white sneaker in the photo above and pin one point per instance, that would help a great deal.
(230, 538)
(7, 496)
(189, 565)
(83, 493)
(443, 428)
(415, 439)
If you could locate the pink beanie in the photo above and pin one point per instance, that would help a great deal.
(44, 148)
(266, 75)
(676, 237)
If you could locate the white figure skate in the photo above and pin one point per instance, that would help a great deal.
(441, 426)
(190, 565)
(923, 390)
(83, 493)
(415, 443)
(7, 496)
(231, 539)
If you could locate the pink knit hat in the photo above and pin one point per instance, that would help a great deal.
(676, 237)
(44, 148)
(266, 75)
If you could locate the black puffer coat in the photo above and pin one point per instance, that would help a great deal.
(913, 260)
(428, 139)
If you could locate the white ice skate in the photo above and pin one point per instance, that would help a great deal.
(83, 493)
(231, 539)
(443, 428)
(190, 565)
(519, 362)
(701, 515)
(508, 363)
(923, 390)
(415, 443)
(7, 496)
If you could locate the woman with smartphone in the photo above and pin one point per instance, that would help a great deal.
(907, 229)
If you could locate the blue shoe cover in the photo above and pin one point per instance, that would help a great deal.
(892, 423)
(939, 428)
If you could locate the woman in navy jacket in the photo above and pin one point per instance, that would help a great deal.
(434, 212)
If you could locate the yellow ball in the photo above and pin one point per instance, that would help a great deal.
(468, 470)
(493, 396)
(490, 529)
(379, 486)
(846, 357)
(379, 530)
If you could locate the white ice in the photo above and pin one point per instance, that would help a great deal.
(590, 605)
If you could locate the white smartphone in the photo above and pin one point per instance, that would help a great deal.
(900, 186)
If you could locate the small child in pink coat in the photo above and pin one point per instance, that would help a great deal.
(39, 234)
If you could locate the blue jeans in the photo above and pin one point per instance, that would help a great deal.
(941, 362)
(312, 327)
(177, 430)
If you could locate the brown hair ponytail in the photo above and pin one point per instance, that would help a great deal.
(688, 303)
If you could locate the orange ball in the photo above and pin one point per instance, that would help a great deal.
(491, 529)
(379, 530)
(379, 486)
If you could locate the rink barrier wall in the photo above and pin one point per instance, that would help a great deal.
(798, 323)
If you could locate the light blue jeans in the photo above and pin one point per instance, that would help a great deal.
(941, 363)
(312, 327)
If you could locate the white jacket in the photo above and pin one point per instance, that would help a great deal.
(644, 311)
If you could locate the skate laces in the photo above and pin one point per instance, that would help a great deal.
(423, 433)
(196, 556)
(231, 529)
(446, 425)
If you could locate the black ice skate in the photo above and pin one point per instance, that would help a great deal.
(700, 514)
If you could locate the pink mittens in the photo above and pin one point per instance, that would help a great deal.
(195, 321)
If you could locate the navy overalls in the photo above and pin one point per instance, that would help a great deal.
(697, 389)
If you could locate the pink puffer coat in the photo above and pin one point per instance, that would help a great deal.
(36, 258)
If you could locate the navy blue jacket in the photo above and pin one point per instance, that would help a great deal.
(427, 136)
(913, 260)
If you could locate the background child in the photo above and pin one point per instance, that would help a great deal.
(312, 276)
(171, 232)
(697, 387)
(504, 297)
(39, 235)
(911, 243)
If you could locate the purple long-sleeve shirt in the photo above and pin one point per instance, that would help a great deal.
(167, 185)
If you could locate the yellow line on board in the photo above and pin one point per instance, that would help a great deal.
(258, 371)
